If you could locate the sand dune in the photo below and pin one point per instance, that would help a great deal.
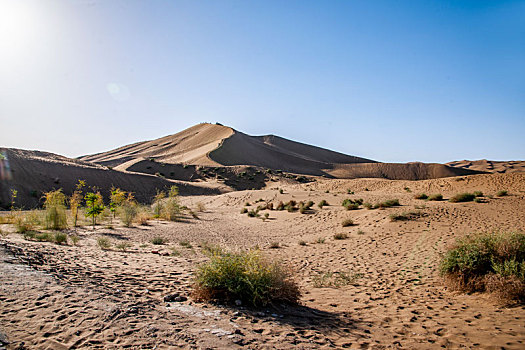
(34, 173)
(217, 145)
(490, 166)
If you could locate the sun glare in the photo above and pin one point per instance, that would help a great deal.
(18, 27)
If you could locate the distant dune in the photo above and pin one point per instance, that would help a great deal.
(490, 166)
(34, 173)
(217, 145)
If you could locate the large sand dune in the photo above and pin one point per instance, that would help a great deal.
(217, 145)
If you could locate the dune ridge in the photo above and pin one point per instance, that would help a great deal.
(216, 145)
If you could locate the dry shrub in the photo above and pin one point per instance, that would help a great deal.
(244, 276)
(347, 222)
(143, 216)
(421, 196)
(462, 197)
(435, 197)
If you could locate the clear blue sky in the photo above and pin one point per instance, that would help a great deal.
(393, 81)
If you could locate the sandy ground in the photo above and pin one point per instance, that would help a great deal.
(67, 297)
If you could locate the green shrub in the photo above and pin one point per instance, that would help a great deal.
(347, 222)
(320, 240)
(244, 210)
(341, 235)
(158, 240)
(388, 203)
(55, 214)
(322, 204)
(462, 197)
(502, 193)
(185, 244)
(435, 197)
(350, 204)
(244, 276)
(478, 193)
(60, 238)
(104, 243)
(368, 206)
(491, 262)
(128, 211)
(421, 196)
(253, 213)
(74, 239)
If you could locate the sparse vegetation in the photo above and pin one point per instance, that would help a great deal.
(335, 279)
(275, 245)
(55, 210)
(478, 193)
(320, 240)
(340, 236)
(322, 203)
(158, 240)
(244, 210)
(360, 232)
(76, 200)
(347, 222)
(74, 239)
(435, 197)
(104, 243)
(303, 243)
(388, 203)
(185, 244)
(94, 205)
(128, 210)
(488, 262)
(502, 193)
(413, 215)
(244, 276)
(421, 196)
(60, 238)
(350, 204)
(124, 246)
(462, 197)
(200, 207)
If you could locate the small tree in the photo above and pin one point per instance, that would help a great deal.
(158, 204)
(128, 210)
(117, 197)
(55, 205)
(14, 193)
(94, 206)
(171, 209)
(76, 200)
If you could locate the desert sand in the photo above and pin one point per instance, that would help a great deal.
(68, 297)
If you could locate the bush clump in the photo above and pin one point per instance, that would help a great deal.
(435, 197)
(350, 204)
(478, 193)
(413, 215)
(322, 204)
(340, 236)
(421, 196)
(462, 197)
(502, 193)
(244, 276)
(347, 222)
(489, 262)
